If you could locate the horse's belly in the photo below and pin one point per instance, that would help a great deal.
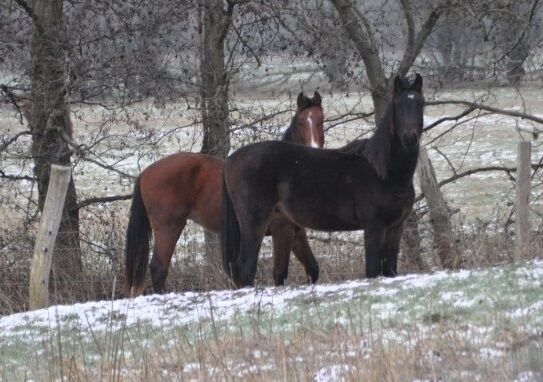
(330, 218)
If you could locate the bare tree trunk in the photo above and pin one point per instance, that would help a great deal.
(522, 205)
(49, 127)
(214, 25)
(410, 245)
(214, 22)
(335, 68)
(515, 65)
(440, 218)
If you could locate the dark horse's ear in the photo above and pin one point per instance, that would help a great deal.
(301, 100)
(398, 84)
(417, 84)
(317, 100)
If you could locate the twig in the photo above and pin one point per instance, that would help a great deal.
(459, 175)
(491, 109)
(103, 199)
(3, 175)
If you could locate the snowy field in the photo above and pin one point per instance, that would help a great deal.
(481, 140)
(466, 326)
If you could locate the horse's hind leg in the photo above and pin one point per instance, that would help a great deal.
(165, 239)
(304, 254)
(252, 228)
(251, 241)
(283, 240)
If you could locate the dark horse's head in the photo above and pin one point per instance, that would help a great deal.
(402, 123)
(306, 127)
(408, 105)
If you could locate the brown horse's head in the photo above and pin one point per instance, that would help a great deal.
(408, 104)
(307, 124)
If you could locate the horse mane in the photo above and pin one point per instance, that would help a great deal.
(376, 149)
(287, 135)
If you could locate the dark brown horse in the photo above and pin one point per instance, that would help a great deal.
(188, 186)
(367, 185)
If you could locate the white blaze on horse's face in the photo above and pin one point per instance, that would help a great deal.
(314, 142)
(411, 95)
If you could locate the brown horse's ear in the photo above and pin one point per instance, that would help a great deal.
(417, 84)
(398, 84)
(301, 100)
(317, 100)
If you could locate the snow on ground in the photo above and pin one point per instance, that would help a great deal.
(160, 310)
(473, 307)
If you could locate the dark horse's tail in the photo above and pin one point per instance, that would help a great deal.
(137, 245)
(230, 236)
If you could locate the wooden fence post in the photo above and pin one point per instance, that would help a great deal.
(522, 220)
(47, 234)
(440, 218)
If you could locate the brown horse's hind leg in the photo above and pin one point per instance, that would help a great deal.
(304, 254)
(165, 240)
(283, 239)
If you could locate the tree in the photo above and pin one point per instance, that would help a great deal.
(214, 22)
(362, 33)
(50, 129)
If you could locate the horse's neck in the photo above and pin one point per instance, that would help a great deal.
(288, 135)
(402, 164)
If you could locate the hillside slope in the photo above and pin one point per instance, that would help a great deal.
(469, 325)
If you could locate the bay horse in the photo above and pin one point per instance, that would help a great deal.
(367, 184)
(186, 186)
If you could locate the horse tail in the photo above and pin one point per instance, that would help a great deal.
(230, 235)
(137, 244)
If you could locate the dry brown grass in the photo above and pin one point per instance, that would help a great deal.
(340, 257)
(337, 353)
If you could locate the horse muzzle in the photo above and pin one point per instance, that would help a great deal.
(410, 141)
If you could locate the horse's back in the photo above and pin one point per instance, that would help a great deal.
(175, 187)
(295, 179)
(274, 156)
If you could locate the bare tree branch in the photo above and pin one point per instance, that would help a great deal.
(364, 44)
(491, 109)
(526, 26)
(453, 118)
(249, 48)
(30, 12)
(408, 14)
(101, 200)
(415, 45)
(3, 175)
(508, 170)
(8, 142)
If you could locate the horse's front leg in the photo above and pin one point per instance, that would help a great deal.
(392, 247)
(374, 241)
